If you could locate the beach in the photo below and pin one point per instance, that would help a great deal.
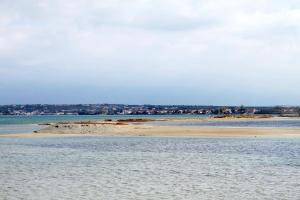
(152, 128)
(155, 158)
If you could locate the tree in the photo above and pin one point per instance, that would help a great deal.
(298, 111)
(242, 109)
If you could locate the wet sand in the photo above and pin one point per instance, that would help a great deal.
(141, 129)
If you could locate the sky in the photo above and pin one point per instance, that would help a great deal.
(200, 52)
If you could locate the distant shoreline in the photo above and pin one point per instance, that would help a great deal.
(143, 109)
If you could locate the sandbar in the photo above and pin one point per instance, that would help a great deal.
(129, 128)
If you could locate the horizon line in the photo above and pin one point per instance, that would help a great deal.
(206, 105)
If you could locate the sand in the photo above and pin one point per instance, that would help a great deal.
(143, 129)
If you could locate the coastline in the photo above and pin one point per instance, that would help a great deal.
(138, 129)
(150, 127)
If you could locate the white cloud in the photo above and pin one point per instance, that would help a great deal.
(173, 42)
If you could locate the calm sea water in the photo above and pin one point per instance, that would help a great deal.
(149, 168)
(275, 123)
(11, 119)
(26, 124)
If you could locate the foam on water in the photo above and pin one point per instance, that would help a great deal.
(149, 168)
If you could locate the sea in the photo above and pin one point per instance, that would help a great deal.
(26, 124)
(254, 123)
(146, 168)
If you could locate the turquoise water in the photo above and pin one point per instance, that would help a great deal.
(141, 168)
(12, 119)
(27, 124)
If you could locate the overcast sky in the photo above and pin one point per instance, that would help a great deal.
(150, 51)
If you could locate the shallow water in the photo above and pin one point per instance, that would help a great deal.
(19, 128)
(264, 123)
(149, 168)
(25, 124)
(39, 119)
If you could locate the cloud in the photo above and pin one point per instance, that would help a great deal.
(210, 46)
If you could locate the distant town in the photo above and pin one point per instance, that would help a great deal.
(122, 109)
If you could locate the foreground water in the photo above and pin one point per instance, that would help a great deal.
(149, 168)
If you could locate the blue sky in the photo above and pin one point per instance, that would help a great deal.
(150, 52)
